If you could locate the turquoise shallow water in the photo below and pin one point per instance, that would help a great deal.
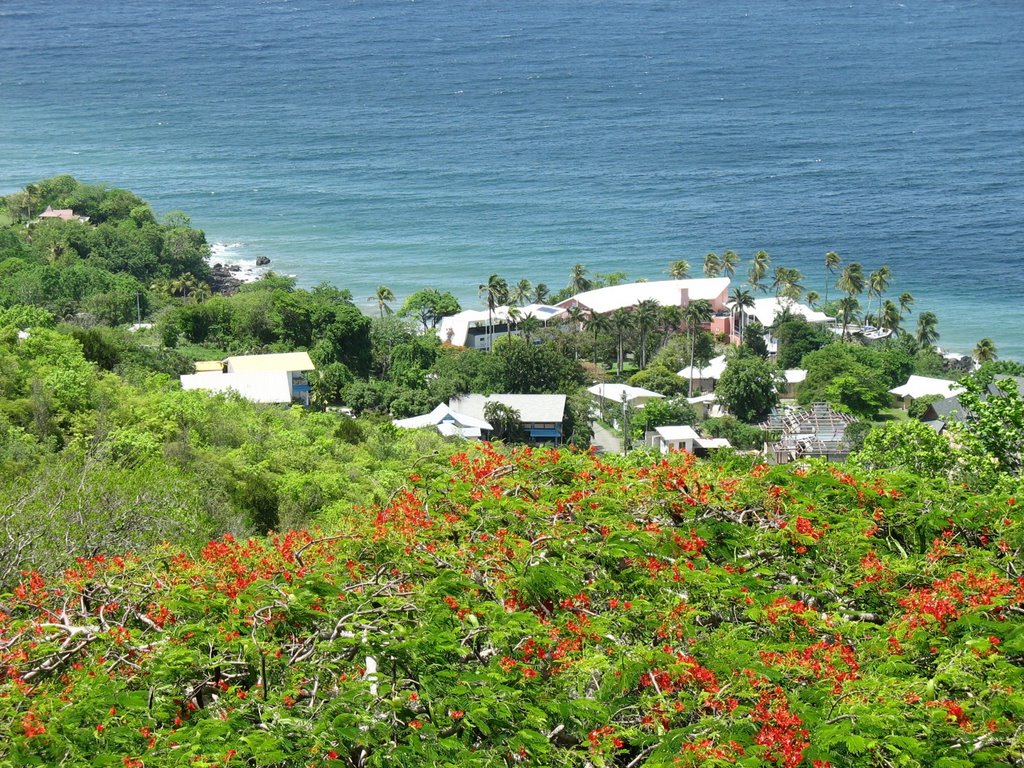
(432, 143)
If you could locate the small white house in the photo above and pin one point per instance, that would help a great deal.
(448, 423)
(275, 378)
(681, 437)
(923, 386)
(705, 379)
(794, 378)
(672, 438)
(637, 397)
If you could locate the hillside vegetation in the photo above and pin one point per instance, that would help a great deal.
(529, 607)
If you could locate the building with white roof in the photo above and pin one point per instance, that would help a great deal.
(272, 387)
(274, 378)
(681, 437)
(475, 329)
(923, 386)
(767, 310)
(541, 416)
(448, 422)
(637, 397)
(794, 378)
(705, 378)
(667, 293)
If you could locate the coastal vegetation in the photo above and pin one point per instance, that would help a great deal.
(195, 579)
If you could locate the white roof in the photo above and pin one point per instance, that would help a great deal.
(532, 408)
(284, 361)
(615, 392)
(922, 386)
(710, 443)
(273, 387)
(446, 420)
(677, 432)
(707, 397)
(668, 293)
(795, 375)
(713, 370)
(767, 309)
(451, 429)
(460, 323)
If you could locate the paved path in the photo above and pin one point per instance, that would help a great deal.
(605, 439)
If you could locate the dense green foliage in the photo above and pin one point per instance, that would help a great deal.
(749, 387)
(547, 608)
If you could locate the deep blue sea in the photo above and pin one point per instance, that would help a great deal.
(435, 142)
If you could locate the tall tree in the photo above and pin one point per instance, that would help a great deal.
(575, 317)
(906, 303)
(529, 325)
(521, 293)
(578, 280)
(730, 261)
(712, 265)
(696, 314)
(741, 300)
(848, 310)
(621, 321)
(382, 296)
(890, 316)
(878, 282)
(646, 315)
(494, 293)
(851, 280)
(832, 261)
(679, 269)
(927, 329)
(759, 270)
(812, 298)
(540, 293)
(669, 320)
(598, 324)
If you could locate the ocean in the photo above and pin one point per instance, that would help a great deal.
(433, 143)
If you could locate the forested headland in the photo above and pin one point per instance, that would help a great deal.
(188, 579)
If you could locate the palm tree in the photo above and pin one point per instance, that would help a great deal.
(741, 300)
(598, 324)
(528, 326)
(495, 293)
(927, 329)
(831, 264)
(851, 280)
(669, 319)
(890, 318)
(759, 270)
(382, 297)
(576, 317)
(729, 263)
(540, 293)
(183, 284)
(621, 321)
(878, 281)
(712, 265)
(646, 316)
(848, 308)
(578, 281)
(679, 269)
(812, 298)
(906, 302)
(695, 314)
(521, 293)
(985, 351)
(200, 293)
(787, 281)
(514, 316)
